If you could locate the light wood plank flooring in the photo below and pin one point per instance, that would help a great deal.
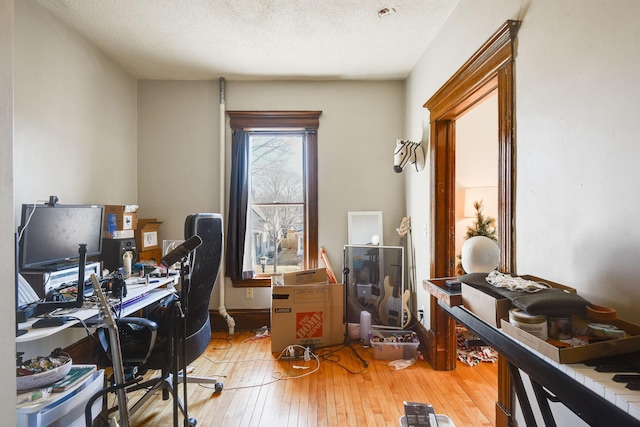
(262, 391)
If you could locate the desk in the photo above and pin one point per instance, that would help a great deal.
(550, 380)
(156, 291)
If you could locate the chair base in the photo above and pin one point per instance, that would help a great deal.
(169, 389)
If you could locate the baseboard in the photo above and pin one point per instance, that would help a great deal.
(425, 337)
(245, 319)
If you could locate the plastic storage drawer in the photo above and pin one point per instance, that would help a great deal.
(64, 409)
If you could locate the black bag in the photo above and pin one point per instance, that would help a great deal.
(550, 302)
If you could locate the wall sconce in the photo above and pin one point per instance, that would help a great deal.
(488, 196)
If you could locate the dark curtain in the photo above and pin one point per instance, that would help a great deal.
(238, 206)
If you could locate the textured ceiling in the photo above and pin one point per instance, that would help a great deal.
(257, 39)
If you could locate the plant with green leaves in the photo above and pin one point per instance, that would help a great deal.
(484, 226)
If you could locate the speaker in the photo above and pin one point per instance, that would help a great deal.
(114, 249)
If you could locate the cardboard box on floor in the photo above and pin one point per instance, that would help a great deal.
(307, 314)
(302, 277)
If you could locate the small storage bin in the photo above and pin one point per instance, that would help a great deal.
(394, 344)
(65, 409)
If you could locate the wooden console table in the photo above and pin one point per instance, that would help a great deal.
(442, 335)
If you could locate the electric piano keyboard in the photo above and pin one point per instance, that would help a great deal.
(585, 388)
(616, 378)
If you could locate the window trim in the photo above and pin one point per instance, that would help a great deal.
(308, 121)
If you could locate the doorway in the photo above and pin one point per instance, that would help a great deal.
(476, 171)
(489, 72)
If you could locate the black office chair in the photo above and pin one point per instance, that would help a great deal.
(157, 354)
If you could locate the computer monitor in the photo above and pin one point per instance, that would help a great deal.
(50, 235)
(53, 237)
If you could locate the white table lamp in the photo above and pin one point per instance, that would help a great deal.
(480, 254)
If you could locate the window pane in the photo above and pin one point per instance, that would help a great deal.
(282, 173)
(276, 168)
(277, 201)
(278, 238)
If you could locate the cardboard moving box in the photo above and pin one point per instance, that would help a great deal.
(308, 315)
(302, 277)
(119, 234)
(120, 217)
(147, 234)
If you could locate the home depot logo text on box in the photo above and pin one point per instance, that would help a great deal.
(309, 325)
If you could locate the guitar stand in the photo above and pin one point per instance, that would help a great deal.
(179, 334)
(347, 341)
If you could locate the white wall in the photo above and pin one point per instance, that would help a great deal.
(75, 126)
(577, 99)
(476, 163)
(76, 107)
(75, 116)
(179, 138)
(7, 271)
(576, 94)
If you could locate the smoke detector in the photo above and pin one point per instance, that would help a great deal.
(386, 11)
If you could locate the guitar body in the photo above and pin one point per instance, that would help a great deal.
(387, 301)
(394, 307)
(394, 311)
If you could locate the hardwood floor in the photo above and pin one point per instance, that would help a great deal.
(262, 391)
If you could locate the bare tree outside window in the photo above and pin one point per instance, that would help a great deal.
(277, 201)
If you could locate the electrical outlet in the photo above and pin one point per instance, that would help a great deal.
(248, 293)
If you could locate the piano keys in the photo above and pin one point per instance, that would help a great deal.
(598, 376)
(616, 378)
(593, 396)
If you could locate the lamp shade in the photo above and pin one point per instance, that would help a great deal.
(480, 254)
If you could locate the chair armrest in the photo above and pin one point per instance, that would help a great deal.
(139, 321)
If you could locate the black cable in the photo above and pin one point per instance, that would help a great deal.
(332, 357)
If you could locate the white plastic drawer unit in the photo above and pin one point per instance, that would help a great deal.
(64, 409)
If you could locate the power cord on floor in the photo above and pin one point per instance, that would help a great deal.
(332, 357)
(290, 351)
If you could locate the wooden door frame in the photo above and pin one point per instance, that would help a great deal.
(489, 70)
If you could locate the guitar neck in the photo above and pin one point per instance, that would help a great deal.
(104, 304)
(397, 275)
(116, 355)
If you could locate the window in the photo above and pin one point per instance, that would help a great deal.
(273, 203)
